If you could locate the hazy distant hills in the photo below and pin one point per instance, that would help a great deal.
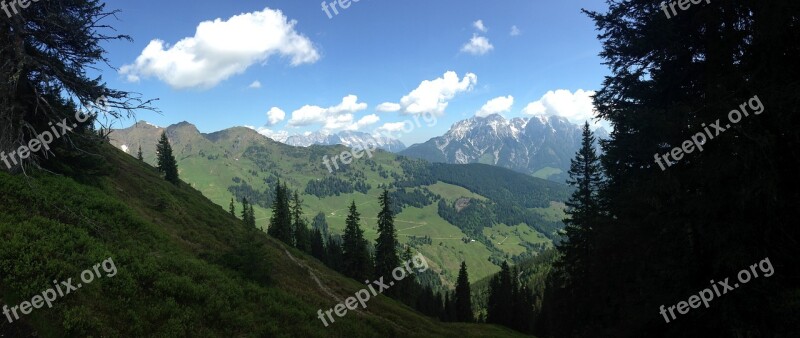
(541, 146)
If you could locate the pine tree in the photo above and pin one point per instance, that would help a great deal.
(139, 154)
(317, 245)
(386, 244)
(299, 225)
(167, 164)
(232, 208)
(280, 224)
(335, 255)
(245, 211)
(463, 296)
(583, 209)
(354, 246)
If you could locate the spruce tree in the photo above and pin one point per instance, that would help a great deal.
(321, 223)
(334, 257)
(139, 154)
(317, 245)
(299, 225)
(167, 164)
(463, 296)
(583, 209)
(386, 244)
(232, 208)
(354, 246)
(280, 224)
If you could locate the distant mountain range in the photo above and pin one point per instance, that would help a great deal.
(540, 146)
(346, 138)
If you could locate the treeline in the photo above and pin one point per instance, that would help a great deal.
(335, 186)
(353, 256)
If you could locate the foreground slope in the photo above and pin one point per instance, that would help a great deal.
(185, 266)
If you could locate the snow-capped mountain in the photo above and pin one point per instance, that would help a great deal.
(539, 145)
(347, 138)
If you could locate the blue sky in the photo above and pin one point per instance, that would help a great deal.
(369, 68)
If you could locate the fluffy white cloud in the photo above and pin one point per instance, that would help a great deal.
(391, 127)
(480, 26)
(221, 49)
(388, 107)
(365, 121)
(275, 115)
(515, 31)
(478, 45)
(496, 105)
(577, 107)
(255, 85)
(335, 117)
(432, 96)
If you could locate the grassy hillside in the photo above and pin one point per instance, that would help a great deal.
(239, 162)
(185, 266)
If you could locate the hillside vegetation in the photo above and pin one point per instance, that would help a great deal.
(186, 267)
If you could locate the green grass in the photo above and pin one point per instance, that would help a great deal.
(169, 245)
(452, 192)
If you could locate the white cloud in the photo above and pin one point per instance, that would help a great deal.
(391, 127)
(255, 85)
(577, 107)
(365, 121)
(496, 105)
(433, 96)
(515, 31)
(275, 115)
(388, 107)
(220, 49)
(478, 45)
(335, 117)
(480, 26)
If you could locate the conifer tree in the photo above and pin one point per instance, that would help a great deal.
(463, 296)
(167, 164)
(139, 154)
(299, 225)
(232, 208)
(354, 247)
(583, 209)
(317, 245)
(386, 244)
(280, 224)
(334, 257)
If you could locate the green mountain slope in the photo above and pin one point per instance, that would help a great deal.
(185, 267)
(239, 162)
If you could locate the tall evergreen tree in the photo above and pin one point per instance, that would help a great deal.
(280, 224)
(167, 164)
(356, 255)
(321, 223)
(232, 208)
(463, 296)
(583, 210)
(335, 255)
(139, 155)
(317, 245)
(299, 225)
(386, 244)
